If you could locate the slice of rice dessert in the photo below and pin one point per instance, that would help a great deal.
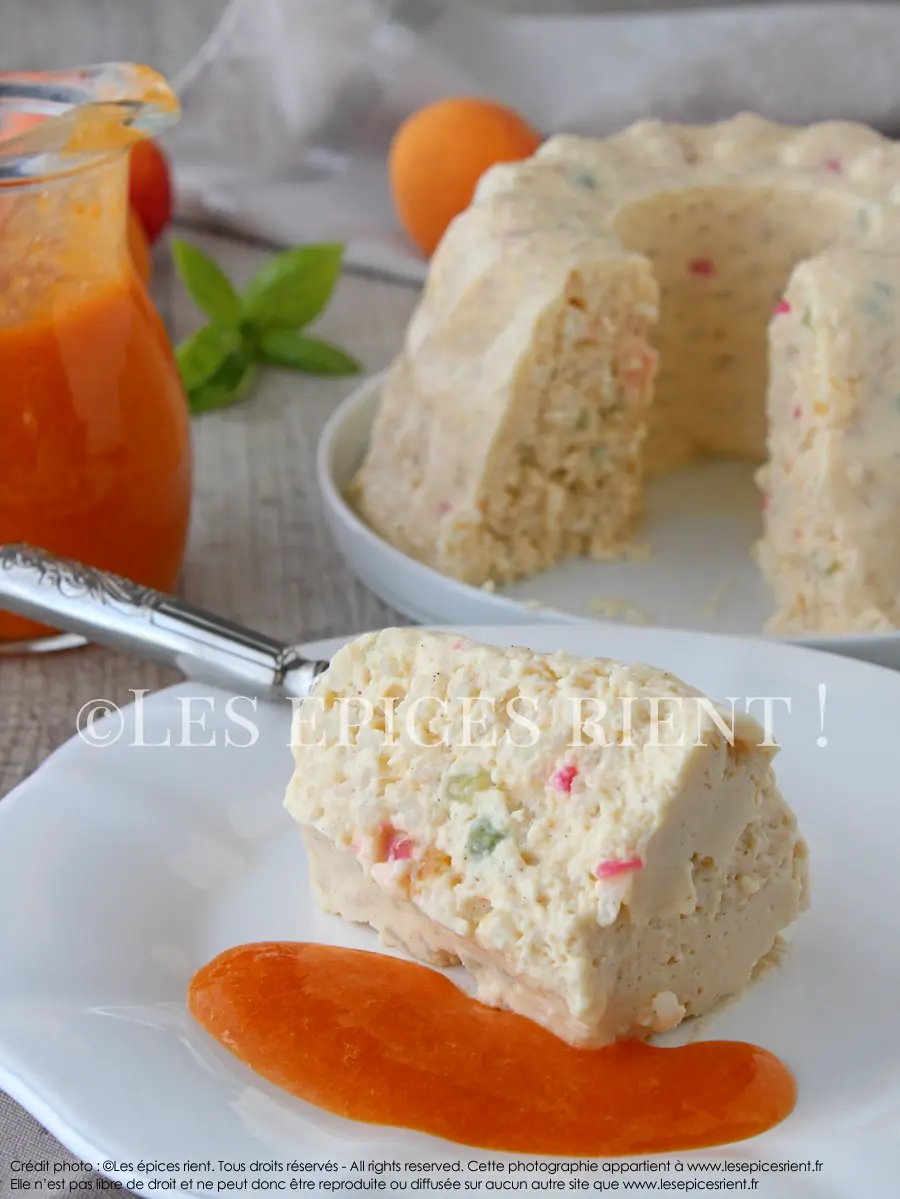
(598, 869)
(510, 433)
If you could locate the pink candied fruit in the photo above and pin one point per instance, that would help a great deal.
(702, 268)
(782, 308)
(637, 373)
(614, 867)
(797, 413)
(394, 845)
(444, 507)
(834, 165)
(765, 501)
(561, 780)
(457, 645)
(399, 847)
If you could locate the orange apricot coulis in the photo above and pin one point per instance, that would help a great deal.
(94, 437)
(385, 1041)
(95, 454)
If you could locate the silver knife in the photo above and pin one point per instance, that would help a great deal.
(123, 615)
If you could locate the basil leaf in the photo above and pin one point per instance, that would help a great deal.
(293, 288)
(287, 347)
(207, 284)
(200, 355)
(227, 386)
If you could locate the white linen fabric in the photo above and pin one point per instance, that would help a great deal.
(290, 107)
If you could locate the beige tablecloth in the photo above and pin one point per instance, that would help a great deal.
(258, 552)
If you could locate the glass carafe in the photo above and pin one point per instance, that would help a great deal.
(95, 459)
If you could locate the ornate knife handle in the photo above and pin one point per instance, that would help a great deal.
(125, 616)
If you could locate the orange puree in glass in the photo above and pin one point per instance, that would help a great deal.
(94, 433)
(385, 1041)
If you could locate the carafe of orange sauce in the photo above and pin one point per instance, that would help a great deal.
(95, 460)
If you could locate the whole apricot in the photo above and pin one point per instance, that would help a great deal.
(150, 187)
(12, 124)
(139, 247)
(438, 155)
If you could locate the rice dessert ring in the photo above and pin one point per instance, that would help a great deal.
(612, 309)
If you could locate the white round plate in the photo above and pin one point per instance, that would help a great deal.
(125, 868)
(700, 524)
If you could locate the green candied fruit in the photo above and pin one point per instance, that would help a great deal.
(806, 320)
(825, 563)
(585, 179)
(871, 306)
(483, 839)
(599, 454)
(877, 302)
(463, 783)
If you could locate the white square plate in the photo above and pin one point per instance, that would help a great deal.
(124, 868)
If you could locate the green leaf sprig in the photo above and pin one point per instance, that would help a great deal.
(264, 326)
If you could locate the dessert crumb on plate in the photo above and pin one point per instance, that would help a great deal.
(611, 608)
(717, 598)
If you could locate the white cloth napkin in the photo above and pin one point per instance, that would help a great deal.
(290, 108)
